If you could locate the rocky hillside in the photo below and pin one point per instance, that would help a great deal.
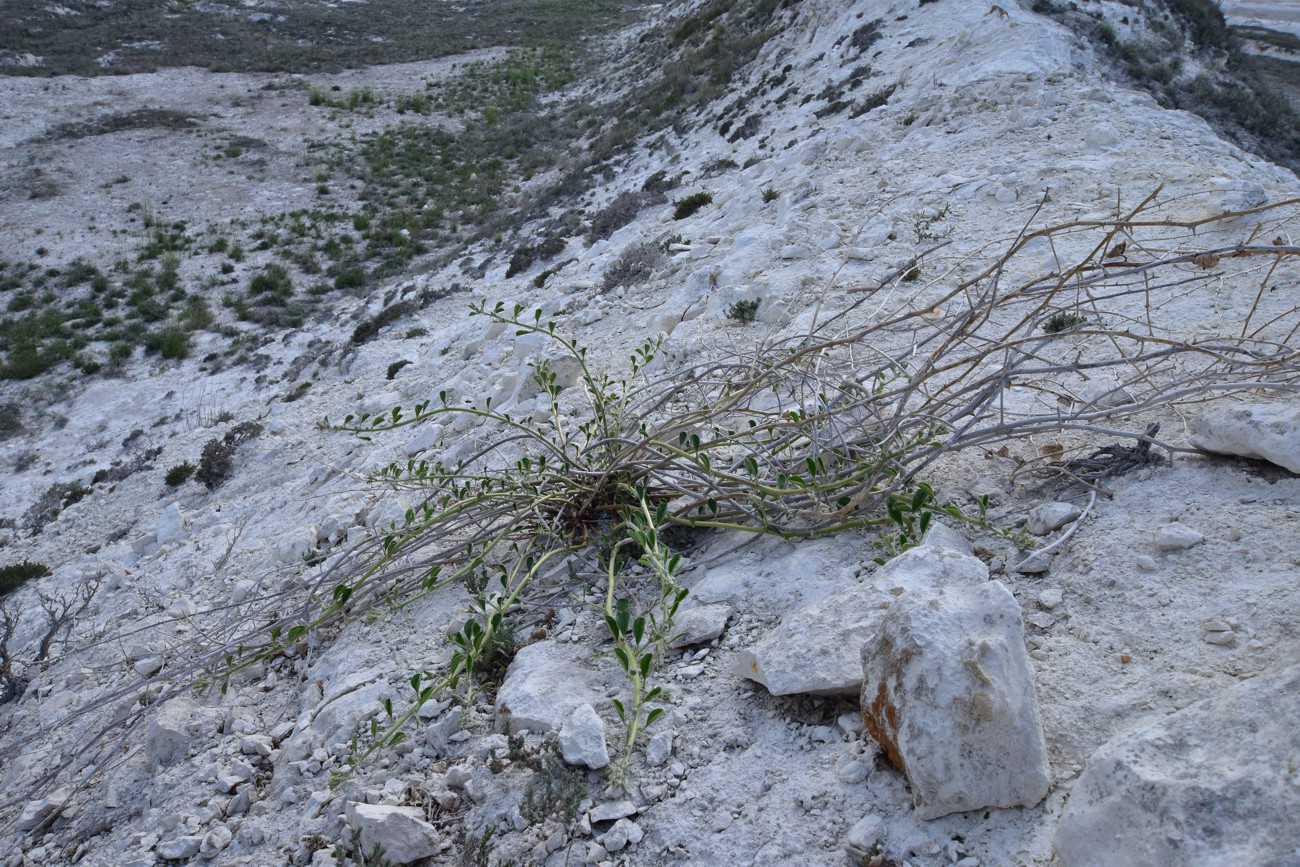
(902, 464)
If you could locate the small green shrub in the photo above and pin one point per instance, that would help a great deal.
(369, 329)
(171, 342)
(297, 392)
(273, 281)
(396, 366)
(179, 474)
(521, 261)
(616, 215)
(10, 420)
(551, 247)
(744, 311)
(16, 575)
(216, 463)
(56, 498)
(692, 203)
(1062, 320)
(770, 195)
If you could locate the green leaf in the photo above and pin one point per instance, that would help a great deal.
(654, 714)
(613, 627)
(623, 659)
(638, 629)
(647, 662)
(618, 708)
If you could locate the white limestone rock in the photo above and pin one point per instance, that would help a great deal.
(401, 831)
(36, 812)
(171, 731)
(949, 695)
(543, 686)
(179, 848)
(171, 524)
(1047, 517)
(698, 624)
(1267, 431)
(582, 738)
(659, 748)
(294, 544)
(1177, 537)
(1214, 783)
(940, 535)
(817, 650)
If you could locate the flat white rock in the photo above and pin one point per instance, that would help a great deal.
(1047, 517)
(1269, 431)
(949, 694)
(401, 831)
(699, 624)
(543, 686)
(1214, 783)
(817, 650)
(1177, 537)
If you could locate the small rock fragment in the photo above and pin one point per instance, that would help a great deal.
(1177, 537)
(1222, 639)
(612, 810)
(864, 836)
(659, 749)
(582, 739)
(816, 650)
(179, 848)
(1051, 516)
(699, 624)
(169, 734)
(542, 687)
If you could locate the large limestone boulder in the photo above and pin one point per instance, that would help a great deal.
(1216, 783)
(817, 650)
(948, 694)
(1267, 431)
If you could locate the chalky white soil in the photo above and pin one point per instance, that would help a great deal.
(993, 116)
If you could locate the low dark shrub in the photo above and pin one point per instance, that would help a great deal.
(16, 575)
(692, 203)
(179, 474)
(369, 329)
(216, 463)
(56, 498)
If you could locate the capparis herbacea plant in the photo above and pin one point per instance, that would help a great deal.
(598, 483)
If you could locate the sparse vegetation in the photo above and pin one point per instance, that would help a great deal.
(634, 266)
(744, 311)
(690, 204)
(15, 575)
(179, 474)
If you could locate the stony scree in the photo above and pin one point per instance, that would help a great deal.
(985, 125)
